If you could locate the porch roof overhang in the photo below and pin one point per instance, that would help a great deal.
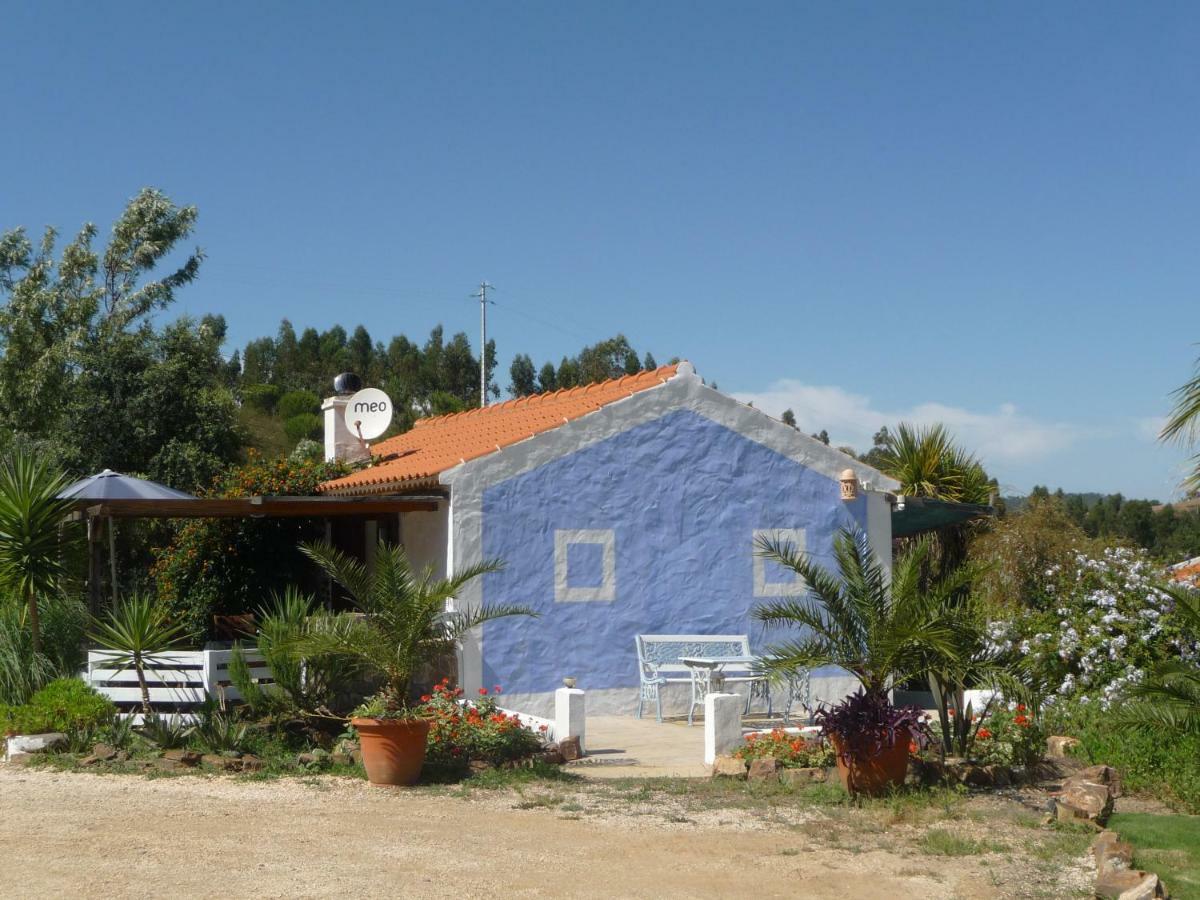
(922, 514)
(261, 507)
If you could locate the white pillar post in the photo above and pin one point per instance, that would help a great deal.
(569, 716)
(722, 725)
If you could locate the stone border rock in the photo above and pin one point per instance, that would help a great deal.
(767, 769)
(1116, 879)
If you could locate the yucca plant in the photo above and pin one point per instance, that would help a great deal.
(882, 630)
(1168, 700)
(218, 731)
(33, 533)
(137, 633)
(164, 732)
(404, 625)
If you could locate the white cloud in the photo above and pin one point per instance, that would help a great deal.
(1000, 435)
(1150, 427)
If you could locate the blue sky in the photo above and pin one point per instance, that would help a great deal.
(985, 215)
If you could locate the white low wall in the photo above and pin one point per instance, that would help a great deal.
(179, 682)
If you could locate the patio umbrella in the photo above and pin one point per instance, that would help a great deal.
(110, 485)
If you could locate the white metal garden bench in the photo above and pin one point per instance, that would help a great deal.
(661, 660)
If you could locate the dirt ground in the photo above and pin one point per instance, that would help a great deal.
(82, 835)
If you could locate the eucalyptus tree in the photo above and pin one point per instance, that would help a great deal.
(82, 366)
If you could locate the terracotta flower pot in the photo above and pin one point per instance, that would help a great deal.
(393, 750)
(875, 774)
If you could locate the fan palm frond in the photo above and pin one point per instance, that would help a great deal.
(880, 629)
(406, 621)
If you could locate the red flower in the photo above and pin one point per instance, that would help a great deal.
(984, 733)
(483, 692)
(425, 698)
(496, 689)
(1020, 707)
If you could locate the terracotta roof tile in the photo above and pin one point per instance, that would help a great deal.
(442, 442)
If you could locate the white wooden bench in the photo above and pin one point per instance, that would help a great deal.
(660, 662)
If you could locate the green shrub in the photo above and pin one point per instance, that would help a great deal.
(296, 403)
(306, 426)
(66, 705)
(1167, 767)
(64, 624)
(263, 397)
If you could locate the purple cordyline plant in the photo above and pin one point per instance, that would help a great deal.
(866, 723)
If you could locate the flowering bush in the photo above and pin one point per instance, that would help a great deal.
(464, 731)
(1095, 625)
(217, 566)
(1009, 737)
(791, 750)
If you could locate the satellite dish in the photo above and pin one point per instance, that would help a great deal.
(368, 413)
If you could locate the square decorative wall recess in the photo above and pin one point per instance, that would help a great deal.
(770, 578)
(585, 565)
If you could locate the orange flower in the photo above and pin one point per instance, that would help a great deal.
(984, 733)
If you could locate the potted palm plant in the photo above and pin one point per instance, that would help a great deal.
(882, 630)
(401, 627)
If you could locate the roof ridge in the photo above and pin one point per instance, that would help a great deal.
(539, 399)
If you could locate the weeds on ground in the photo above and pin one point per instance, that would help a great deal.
(941, 842)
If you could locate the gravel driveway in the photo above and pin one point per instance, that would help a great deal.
(80, 835)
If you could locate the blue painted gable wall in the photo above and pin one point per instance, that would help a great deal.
(683, 497)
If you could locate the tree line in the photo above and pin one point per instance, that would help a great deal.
(90, 378)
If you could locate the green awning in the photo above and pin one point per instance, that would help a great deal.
(920, 514)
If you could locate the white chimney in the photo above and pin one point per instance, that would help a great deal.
(340, 442)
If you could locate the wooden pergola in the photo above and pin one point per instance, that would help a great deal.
(257, 507)
(268, 506)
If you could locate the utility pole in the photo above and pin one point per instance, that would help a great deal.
(484, 287)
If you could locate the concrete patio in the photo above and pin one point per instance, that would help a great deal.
(627, 747)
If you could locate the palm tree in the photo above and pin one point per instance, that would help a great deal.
(1169, 699)
(1183, 425)
(928, 463)
(137, 632)
(403, 624)
(33, 535)
(882, 630)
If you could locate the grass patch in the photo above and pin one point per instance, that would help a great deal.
(941, 842)
(1061, 843)
(1164, 769)
(501, 779)
(1169, 846)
